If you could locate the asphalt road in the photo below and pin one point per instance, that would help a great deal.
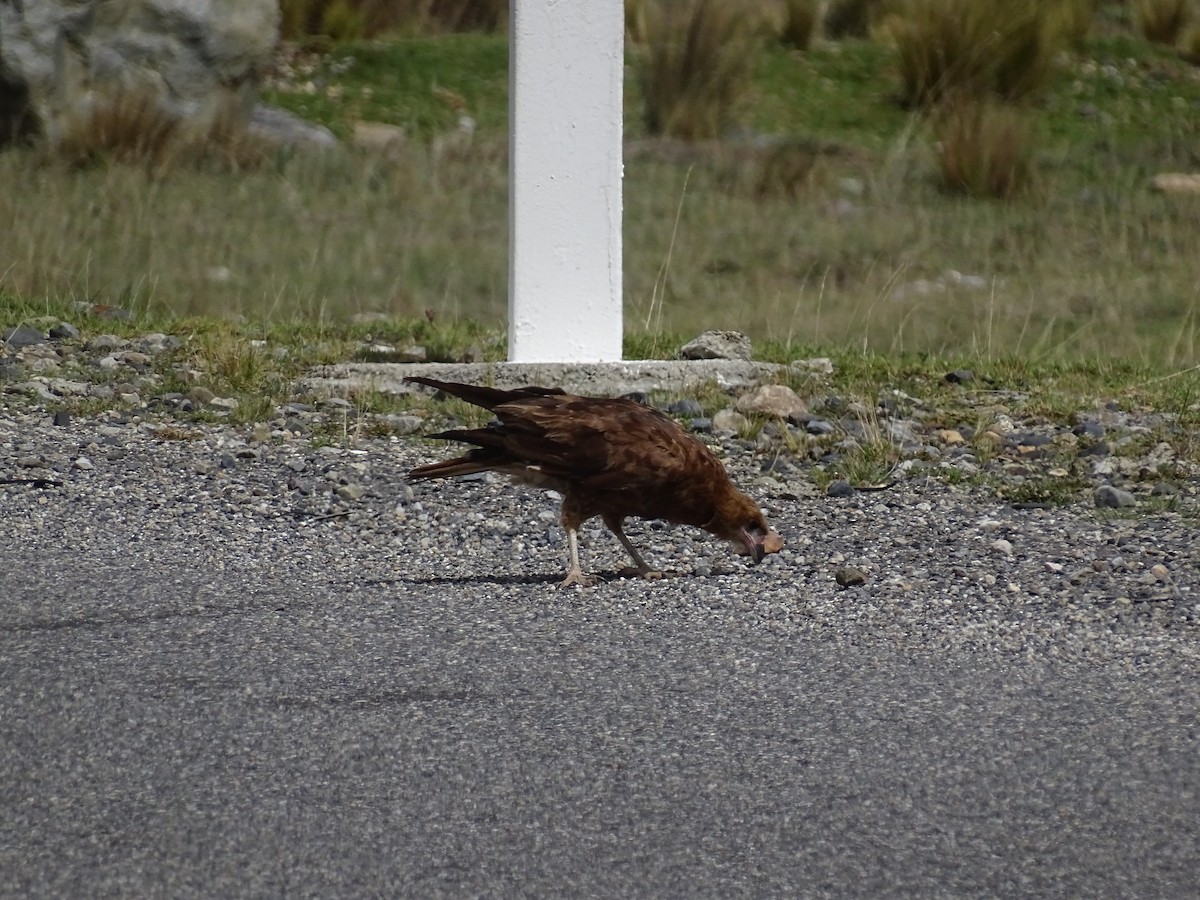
(207, 735)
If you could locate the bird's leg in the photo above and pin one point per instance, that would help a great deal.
(616, 526)
(575, 571)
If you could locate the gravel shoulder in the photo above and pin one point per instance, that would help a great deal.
(259, 667)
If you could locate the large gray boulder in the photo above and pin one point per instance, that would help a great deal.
(200, 59)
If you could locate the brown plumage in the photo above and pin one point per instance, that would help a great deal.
(608, 458)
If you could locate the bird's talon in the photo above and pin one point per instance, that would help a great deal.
(577, 578)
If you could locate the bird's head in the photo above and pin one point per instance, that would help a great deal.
(739, 521)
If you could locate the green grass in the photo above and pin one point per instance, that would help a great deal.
(413, 82)
(848, 242)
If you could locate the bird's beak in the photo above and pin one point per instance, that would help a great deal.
(754, 545)
(757, 545)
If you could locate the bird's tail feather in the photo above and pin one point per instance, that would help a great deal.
(478, 395)
(448, 468)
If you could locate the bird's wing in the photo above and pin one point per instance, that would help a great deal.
(609, 445)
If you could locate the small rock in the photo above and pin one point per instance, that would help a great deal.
(135, 359)
(960, 376)
(83, 464)
(156, 342)
(105, 343)
(1164, 489)
(296, 465)
(950, 436)
(64, 331)
(1176, 183)
(687, 409)
(405, 424)
(351, 491)
(821, 364)
(378, 137)
(853, 187)
(11, 371)
(1000, 545)
(44, 366)
(224, 404)
(819, 427)
(413, 354)
(112, 313)
(717, 345)
(848, 576)
(839, 488)
(728, 421)
(62, 418)
(22, 336)
(1110, 497)
(701, 425)
(777, 400)
(66, 388)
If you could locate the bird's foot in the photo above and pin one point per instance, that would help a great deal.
(575, 576)
(637, 572)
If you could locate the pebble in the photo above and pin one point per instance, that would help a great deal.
(1107, 496)
(848, 576)
(22, 336)
(839, 488)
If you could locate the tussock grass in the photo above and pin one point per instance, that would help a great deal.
(136, 127)
(355, 19)
(949, 48)
(1071, 21)
(851, 18)
(1189, 45)
(801, 21)
(696, 67)
(132, 126)
(1163, 21)
(984, 149)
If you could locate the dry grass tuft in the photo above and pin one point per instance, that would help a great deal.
(696, 69)
(851, 18)
(637, 16)
(1189, 45)
(130, 126)
(1070, 21)
(137, 127)
(947, 48)
(984, 148)
(1163, 21)
(800, 20)
(355, 19)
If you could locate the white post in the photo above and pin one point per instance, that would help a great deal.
(566, 62)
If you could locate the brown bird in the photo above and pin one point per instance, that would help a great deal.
(607, 458)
